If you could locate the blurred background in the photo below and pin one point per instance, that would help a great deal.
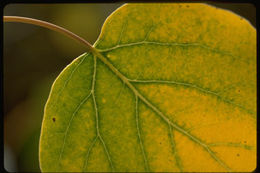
(34, 56)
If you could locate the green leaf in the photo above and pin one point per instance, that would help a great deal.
(171, 87)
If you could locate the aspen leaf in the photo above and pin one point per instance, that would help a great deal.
(172, 87)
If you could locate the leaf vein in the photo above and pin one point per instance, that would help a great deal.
(71, 74)
(96, 113)
(122, 31)
(88, 153)
(167, 44)
(207, 91)
(68, 79)
(186, 133)
(69, 124)
(139, 135)
(231, 144)
(174, 149)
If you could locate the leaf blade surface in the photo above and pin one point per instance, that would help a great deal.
(177, 95)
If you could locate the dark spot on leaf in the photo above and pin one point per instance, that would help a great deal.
(53, 119)
(187, 6)
(160, 143)
(241, 18)
(238, 90)
(238, 155)
(245, 142)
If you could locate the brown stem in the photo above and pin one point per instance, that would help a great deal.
(50, 26)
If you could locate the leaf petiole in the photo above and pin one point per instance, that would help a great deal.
(50, 26)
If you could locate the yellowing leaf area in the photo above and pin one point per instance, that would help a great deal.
(170, 88)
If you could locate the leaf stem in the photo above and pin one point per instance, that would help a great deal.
(50, 26)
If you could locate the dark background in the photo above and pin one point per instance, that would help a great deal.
(34, 56)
